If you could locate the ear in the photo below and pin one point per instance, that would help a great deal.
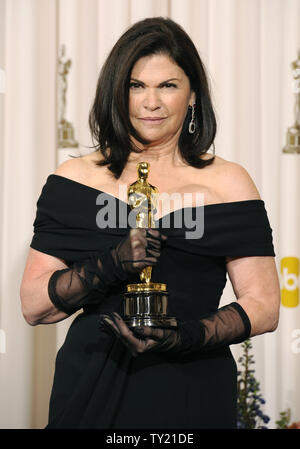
(192, 99)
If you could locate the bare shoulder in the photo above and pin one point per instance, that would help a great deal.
(78, 169)
(91, 158)
(70, 168)
(236, 183)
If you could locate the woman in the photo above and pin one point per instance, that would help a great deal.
(152, 104)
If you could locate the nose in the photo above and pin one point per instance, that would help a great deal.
(152, 100)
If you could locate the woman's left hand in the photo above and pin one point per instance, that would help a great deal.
(142, 339)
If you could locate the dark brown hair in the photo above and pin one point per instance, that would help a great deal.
(109, 121)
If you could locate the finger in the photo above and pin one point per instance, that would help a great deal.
(124, 330)
(147, 344)
(134, 343)
(142, 253)
(152, 253)
(150, 345)
(155, 234)
(153, 245)
(151, 249)
(155, 238)
(107, 324)
(153, 333)
(151, 337)
(158, 237)
(111, 325)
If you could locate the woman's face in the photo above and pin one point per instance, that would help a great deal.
(159, 96)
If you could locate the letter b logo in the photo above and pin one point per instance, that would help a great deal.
(289, 270)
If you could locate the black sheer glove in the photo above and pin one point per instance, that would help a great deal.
(229, 325)
(87, 281)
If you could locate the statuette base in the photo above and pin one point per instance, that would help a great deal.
(146, 305)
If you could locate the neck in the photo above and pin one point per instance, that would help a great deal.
(166, 153)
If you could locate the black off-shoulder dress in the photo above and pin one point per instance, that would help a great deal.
(97, 383)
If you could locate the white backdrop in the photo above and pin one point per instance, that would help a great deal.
(247, 47)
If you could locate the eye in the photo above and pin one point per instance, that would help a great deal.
(169, 85)
(133, 85)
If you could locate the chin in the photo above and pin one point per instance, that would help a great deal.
(153, 137)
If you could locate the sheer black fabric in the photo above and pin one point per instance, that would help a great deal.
(230, 325)
(88, 281)
(97, 382)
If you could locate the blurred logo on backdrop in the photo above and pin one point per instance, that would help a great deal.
(289, 281)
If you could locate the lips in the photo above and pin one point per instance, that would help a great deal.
(152, 119)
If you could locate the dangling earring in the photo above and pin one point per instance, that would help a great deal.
(192, 125)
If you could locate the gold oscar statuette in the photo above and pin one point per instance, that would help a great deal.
(146, 302)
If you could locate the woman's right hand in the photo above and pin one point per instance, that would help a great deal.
(141, 248)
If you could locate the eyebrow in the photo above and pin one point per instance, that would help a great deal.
(160, 84)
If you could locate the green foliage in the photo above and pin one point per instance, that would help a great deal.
(250, 415)
(284, 420)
